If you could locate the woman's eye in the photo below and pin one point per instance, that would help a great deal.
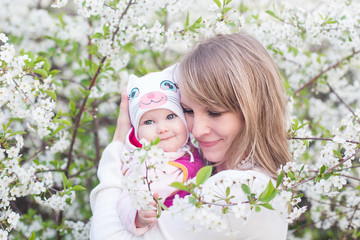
(148, 122)
(188, 111)
(214, 114)
(171, 116)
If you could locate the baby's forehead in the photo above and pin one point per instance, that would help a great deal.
(157, 112)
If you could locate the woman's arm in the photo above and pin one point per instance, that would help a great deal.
(104, 198)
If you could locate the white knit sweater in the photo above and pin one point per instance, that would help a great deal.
(106, 223)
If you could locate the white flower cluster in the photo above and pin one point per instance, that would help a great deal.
(226, 196)
(143, 167)
(10, 219)
(89, 7)
(19, 181)
(199, 218)
(57, 201)
(22, 94)
(59, 3)
(80, 230)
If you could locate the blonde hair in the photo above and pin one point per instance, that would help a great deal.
(235, 72)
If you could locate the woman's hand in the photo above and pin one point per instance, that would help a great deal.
(123, 123)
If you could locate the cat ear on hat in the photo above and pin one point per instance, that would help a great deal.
(173, 71)
(131, 81)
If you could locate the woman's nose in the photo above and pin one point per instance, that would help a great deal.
(199, 126)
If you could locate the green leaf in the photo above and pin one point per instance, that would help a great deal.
(159, 210)
(47, 66)
(78, 188)
(269, 198)
(179, 185)
(69, 183)
(41, 72)
(72, 105)
(39, 59)
(226, 9)
(322, 169)
(32, 237)
(271, 13)
(327, 176)
(63, 121)
(59, 128)
(192, 200)
(96, 35)
(227, 191)
(129, 48)
(267, 205)
(217, 3)
(59, 114)
(54, 72)
(199, 20)
(203, 174)
(51, 94)
(65, 180)
(17, 133)
(299, 195)
(257, 208)
(358, 187)
(291, 175)
(268, 194)
(155, 142)
(302, 169)
(187, 19)
(245, 188)
(279, 179)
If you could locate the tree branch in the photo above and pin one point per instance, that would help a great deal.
(311, 81)
(92, 83)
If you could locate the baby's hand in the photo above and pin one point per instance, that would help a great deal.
(146, 217)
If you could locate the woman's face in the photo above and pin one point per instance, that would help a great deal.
(214, 129)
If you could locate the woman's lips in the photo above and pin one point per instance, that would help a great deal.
(208, 144)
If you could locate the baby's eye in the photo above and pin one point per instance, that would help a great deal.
(148, 122)
(171, 116)
(133, 94)
(168, 85)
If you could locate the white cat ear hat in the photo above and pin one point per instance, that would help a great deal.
(156, 90)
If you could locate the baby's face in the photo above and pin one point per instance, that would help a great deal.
(164, 124)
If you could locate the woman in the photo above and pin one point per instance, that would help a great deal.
(234, 104)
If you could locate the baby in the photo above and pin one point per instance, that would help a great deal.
(155, 112)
